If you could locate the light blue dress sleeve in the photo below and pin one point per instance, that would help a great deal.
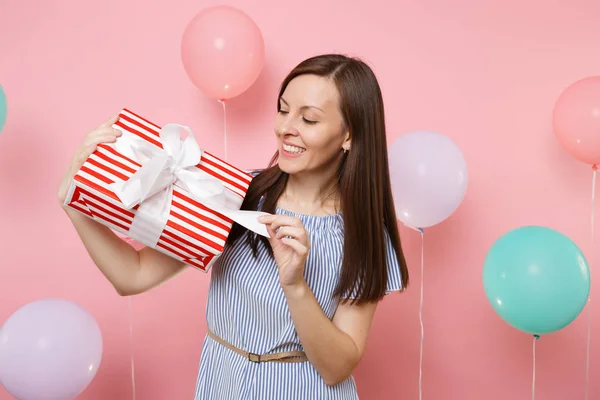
(394, 281)
(253, 172)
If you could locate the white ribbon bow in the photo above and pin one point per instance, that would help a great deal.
(174, 165)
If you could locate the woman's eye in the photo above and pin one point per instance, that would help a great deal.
(306, 120)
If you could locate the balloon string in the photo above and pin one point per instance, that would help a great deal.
(535, 338)
(131, 345)
(422, 233)
(224, 129)
(589, 312)
(421, 315)
(130, 241)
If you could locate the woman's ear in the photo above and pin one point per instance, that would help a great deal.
(347, 143)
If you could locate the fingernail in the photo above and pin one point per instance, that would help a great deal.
(261, 218)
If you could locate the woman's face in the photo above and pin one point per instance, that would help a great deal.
(309, 126)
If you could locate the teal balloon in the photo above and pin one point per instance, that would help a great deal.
(3, 108)
(536, 279)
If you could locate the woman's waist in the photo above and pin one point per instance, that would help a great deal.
(257, 341)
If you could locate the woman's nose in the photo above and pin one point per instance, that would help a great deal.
(287, 128)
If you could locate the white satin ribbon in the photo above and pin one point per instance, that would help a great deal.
(151, 187)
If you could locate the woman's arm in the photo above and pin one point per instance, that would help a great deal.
(128, 270)
(333, 347)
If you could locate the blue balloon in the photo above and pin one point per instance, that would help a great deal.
(3, 108)
(536, 279)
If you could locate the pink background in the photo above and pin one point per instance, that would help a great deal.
(486, 75)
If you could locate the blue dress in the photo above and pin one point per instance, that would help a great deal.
(247, 308)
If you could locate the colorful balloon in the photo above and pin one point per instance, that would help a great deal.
(429, 178)
(50, 349)
(576, 120)
(3, 108)
(222, 51)
(536, 279)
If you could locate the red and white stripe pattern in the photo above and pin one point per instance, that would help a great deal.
(194, 234)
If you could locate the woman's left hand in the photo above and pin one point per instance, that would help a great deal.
(290, 244)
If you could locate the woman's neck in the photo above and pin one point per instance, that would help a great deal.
(310, 195)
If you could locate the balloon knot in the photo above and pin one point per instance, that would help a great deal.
(594, 167)
(536, 337)
(420, 230)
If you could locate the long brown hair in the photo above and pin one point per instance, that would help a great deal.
(364, 183)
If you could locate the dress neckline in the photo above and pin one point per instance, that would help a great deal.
(315, 221)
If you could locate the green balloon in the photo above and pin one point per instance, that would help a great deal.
(3, 108)
(536, 279)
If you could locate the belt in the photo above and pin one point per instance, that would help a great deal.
(287, 356)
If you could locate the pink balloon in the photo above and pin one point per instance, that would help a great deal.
(576, 120)
(429, 178)
(50, 349)
(222, 51)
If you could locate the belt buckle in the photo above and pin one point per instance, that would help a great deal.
(255, 358)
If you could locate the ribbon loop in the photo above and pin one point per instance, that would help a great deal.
(151, 187)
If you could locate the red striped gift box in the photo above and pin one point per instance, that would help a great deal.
(194, 233)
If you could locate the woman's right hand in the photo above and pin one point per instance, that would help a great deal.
(129, 270)
(103, 134)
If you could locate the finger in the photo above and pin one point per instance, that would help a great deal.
(278, 220)
(286, 220)
(92, 144)
(108, 136)
(93, 136)
(274, 242)
(112, 120)
(271, 232)
(292, 232)
(89, 147)
(111, 138)
(298, 247)
(106, 131)
(266, 218)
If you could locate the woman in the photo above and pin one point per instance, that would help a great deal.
(288, 316)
